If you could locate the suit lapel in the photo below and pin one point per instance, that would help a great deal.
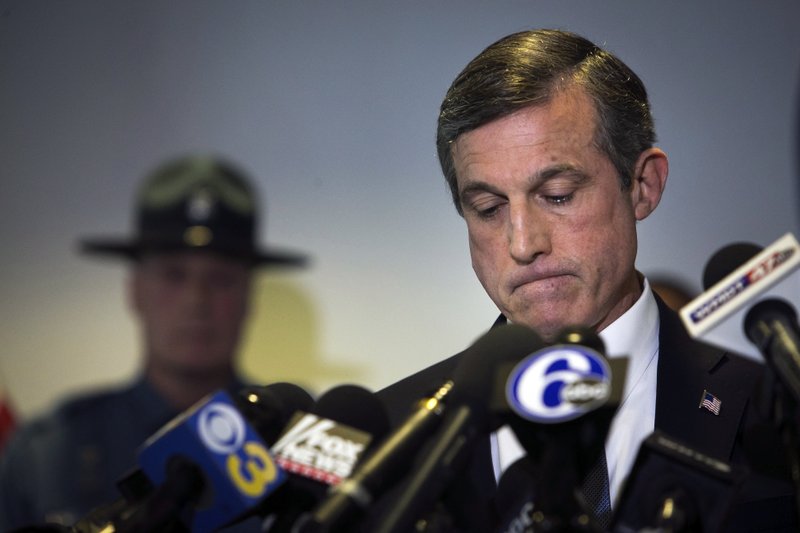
(685, 370)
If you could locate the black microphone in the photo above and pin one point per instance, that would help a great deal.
(726, 260)
(749, 306)
(465, 400)
(562, 399)
(320, 448)
(515, 498)
(269, 408)
(673, 487)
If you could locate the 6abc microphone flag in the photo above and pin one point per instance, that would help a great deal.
(559, 402)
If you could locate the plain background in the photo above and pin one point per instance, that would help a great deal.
(331, 107)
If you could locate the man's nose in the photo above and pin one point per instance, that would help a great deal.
(528, 233)
(198, 293)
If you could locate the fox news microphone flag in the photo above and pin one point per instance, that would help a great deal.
(319, 448)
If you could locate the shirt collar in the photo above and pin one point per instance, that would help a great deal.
(154, 407)
(634, 334)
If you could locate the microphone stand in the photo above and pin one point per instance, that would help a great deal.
(559, 468)
(780, 408)
(431, 478)
(772, 326)
(169, 502)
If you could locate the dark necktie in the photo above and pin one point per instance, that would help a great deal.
(595, 489)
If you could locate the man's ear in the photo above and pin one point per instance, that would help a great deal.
(649, 181)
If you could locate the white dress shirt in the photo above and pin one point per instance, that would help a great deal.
(633, 335)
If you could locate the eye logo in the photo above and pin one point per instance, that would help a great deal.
(558, 384)
(221, 428)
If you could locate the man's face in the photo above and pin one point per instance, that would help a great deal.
(551, 233)
(191, 306)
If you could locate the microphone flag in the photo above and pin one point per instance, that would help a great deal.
(717, 316)
(319, 448)
(237, 468)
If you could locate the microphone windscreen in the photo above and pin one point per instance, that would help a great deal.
(726, 260)
(270, 407)
(698, 489)
(482, 365)
(354, 406)
(515, 478)
(513, 500)
(582, 335)
(294, 397)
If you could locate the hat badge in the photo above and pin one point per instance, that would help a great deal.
(198, 210)
(200, 206)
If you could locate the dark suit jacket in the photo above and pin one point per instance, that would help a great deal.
(685, 369)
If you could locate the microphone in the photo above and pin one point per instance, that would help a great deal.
(465, 399)
(326, 443)
(675, 488)
(179, 465)
(220, 465)
(321, 447)
(516, 494)
(269, 408)
(562, 399)
(751, 310)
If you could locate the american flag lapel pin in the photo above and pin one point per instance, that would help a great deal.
(710, 402)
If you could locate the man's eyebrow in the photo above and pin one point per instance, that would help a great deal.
(474, 187)
(557, 170)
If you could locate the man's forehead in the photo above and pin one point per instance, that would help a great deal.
(571, 104)
(561, 128)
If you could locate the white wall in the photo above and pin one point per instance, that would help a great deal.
(332, 106)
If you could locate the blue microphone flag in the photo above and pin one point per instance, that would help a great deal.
(237, 467)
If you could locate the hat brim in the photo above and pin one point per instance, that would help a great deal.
(133, 250)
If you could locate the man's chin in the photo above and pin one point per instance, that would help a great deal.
(548, 329)
(198, 364)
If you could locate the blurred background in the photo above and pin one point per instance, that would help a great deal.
(331, 108)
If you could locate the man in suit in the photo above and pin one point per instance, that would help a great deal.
(547, 144)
